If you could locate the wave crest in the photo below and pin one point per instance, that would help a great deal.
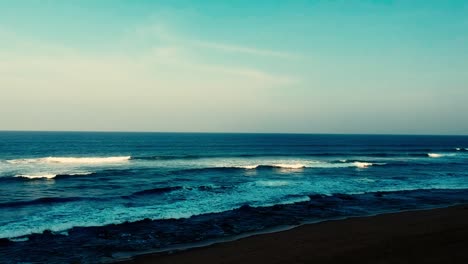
(279, 166)
(50, 176)
(289, 166)
(292, 166)
(72, 160)
(439, 155)
(362, 165)
(33, 177)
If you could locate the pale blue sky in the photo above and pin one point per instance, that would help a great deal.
(235, 66)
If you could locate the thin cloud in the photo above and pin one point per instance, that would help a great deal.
(183, 59)
(162, 33)
(245, 50)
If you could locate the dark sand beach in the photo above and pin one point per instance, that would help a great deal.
(426, 236)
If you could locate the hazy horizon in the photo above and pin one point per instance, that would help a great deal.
(226, 132)
(319, 67)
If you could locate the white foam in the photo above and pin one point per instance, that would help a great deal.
(248, 167)
(457, 149)
(79, 173)
(289, 166)
(41, 176)
(434, 155)
(310, 164)
(50, 175)
(275, 165)
(362, 165)
(72, 160)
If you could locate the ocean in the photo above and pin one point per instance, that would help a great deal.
(143, 191)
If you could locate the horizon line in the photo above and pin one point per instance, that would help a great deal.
(227, 132)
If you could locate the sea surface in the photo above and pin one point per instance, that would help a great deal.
(55, 182)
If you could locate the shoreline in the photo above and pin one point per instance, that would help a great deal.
(119, 242)
(437, 235)
(124, 257)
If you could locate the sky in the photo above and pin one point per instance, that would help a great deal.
(391, 67)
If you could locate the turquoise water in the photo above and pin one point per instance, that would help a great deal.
(57, 181)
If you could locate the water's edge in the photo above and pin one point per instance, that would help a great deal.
(115, 243)
(123, 257)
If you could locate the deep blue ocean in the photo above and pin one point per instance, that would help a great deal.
(60, 180)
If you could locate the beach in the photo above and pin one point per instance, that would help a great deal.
(104, 197)
(203, 132)
(423, 236)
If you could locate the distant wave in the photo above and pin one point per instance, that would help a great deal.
(51, 176)
(120, 159)
(362, 165)
(39, 176)
(72, 160)
(365, 153)
(286, 166)
(323, 154)
(439, 155)
(170, 157)
(279, 166)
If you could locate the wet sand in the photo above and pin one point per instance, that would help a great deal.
(426, 236)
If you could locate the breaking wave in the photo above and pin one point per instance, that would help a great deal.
(439, 155)
(375, 154)
(72, 160)
(362, 165)
(279, 166)
(33, 177)
(51, 176)
(288, 166)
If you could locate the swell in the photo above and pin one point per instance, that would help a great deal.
(172, 157)
(43, 201)
(221, 166)
(71, 160)
(169, 189)
(122, 159)
(50, 176)
(58, 176)
(364, 153)
(286, 166)
(138, 194)
(159, 190)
